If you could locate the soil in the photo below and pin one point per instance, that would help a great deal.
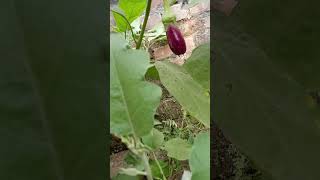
(116, 145)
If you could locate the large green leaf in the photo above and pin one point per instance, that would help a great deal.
(156, 172)
(200, 157)
(131, 9)
(121, 21)
(53, 90)
(178, 148)
(261, 109)
(133, 100)
(154, 139)
(189, 93)
(198, 65)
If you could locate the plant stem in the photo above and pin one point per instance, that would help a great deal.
(128, 24)
(144, 23)
(168, 17)
(158, 164)
(145, 161)
(166, 5)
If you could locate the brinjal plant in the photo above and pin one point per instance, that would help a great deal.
(134, 101)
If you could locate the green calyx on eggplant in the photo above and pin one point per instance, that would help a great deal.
(176, 40)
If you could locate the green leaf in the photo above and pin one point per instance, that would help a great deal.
(53, 90)
(121, 20)
(189, 93)
(178, 148)
(200, 157)
(154, 139)
(198, 65)
(156, 172)
(132, 8)
(261, 109)
(152, 73)
(133, 160)
(134, 101)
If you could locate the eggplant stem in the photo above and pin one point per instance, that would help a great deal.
(144, 23)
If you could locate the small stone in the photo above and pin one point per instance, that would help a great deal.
(162, 52)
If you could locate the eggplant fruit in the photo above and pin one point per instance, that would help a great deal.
(175, 39)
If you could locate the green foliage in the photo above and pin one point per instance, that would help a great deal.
(178, 148)
(131, 9)
(189, 93)
(152, 73)
(53, 90)
(129, 116)
(134, 161)
(198, 65)
(121, 20)
(261, 108)
(134, 101)
(156, 172)
(200, 157)
(154, 140)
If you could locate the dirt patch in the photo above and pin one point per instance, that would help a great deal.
(116, 145)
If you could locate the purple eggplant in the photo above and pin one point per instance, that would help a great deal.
(176, 40)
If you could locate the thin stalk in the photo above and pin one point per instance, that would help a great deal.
(127, 23)
(166, 5)
(158, 164)
(145, 161)
(144, 23)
